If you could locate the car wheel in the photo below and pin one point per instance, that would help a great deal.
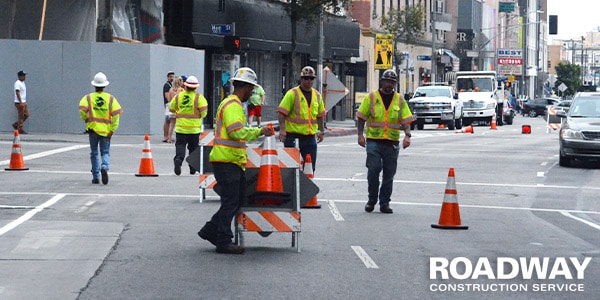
(532, 113)
(459, 123)
(509, 120)
(451, 124)
(412, 126)
(563, 160)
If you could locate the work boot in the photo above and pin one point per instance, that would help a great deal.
(95, 181)
(104, 174)
(386, 209)
(177, 169)
(206, 236)
(369, 207)
(230, 249)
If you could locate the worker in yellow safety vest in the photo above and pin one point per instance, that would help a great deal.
(301, 115)
(101, 112)
(386, 114)
(189, 108)
(228, 157)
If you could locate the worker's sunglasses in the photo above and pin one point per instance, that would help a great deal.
(308, 78)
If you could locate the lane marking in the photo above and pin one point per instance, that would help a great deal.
(586, 222)
(28, 215)
(334, 211)
(46, 153)
(537, 185)
(364, 257)
(540, 174)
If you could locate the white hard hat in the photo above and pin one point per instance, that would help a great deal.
(100, 80)
(246, 75)
(192, 82)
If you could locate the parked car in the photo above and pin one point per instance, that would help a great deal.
(538, 106)
(579, 135)
(563, 106)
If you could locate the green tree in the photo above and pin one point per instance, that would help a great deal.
(570, 75)
(405, 24)
(309, 13)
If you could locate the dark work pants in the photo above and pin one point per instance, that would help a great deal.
(307, 145)
(191, 140)
(381, 156)
(232, 180)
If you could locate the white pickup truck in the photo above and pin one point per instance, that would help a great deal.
(436, 104)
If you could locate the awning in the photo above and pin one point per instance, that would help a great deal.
(455, 60)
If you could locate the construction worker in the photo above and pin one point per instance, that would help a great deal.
(302, 116)
(101, 112)
(386, 114)
(189, 107)
(228, 158)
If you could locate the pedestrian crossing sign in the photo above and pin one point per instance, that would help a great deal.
(384, 51)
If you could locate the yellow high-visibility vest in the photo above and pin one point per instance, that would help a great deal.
(189, 107)
(100, 111)
(301, 117)
(384, 123)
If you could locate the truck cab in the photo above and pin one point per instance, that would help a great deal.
(481, 95)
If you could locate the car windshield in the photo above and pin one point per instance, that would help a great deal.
(586, 107)
(432, 93)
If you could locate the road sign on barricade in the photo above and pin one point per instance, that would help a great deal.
(553, 121)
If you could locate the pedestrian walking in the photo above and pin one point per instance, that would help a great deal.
(21, 102)
(386, 114)
(301, 115)
(177, 88)
(189, 107)
(101, 112)
(228, 158)
(167, 124)
(255, 103)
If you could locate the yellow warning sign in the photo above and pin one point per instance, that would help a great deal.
(384, 51)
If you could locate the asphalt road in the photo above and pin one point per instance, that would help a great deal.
(63, 238)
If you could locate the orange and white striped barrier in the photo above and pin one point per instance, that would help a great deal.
(308, 170)
(450, 214)
(16, 157)
(549, 125)
(207, 181)
(207, 138)
(147, 163)
(269, 221)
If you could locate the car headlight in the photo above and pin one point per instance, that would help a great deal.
(571, 134)
(490, 106)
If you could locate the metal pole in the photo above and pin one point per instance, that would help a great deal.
(320, 54)
(433, 36)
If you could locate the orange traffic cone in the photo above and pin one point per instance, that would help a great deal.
(16, 157)
(308, 170)
(493, 123)
(269, 187)
(468, 129)
(147, 163)
(441, 126)
(450, 214)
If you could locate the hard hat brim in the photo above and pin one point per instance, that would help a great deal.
(194, 86)
(105, 84)
(246, 81)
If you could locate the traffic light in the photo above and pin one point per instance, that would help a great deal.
(232, 43)
(507, 84)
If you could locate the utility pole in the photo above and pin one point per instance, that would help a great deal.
(433, 36)
(582, 63)
(524, 13)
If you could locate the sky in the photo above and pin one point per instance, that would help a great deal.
(575, 17)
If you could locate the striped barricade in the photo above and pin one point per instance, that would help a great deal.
(552, 120)
(269, 221)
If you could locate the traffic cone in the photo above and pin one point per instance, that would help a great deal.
(450, 214)
(441, 126)
(147, 163)
(526, 129)
(16, 157)
(308, 171)
(468, 129)
(493, 125)
(269, 186)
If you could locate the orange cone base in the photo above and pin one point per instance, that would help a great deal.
(16, 169)
(460, 227)
(312, 203)
(146, 175)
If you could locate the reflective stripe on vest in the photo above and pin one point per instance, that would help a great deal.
(384, 122)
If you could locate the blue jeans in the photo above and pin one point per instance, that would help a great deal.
(232, 180)
(381, 156)
(307, 145)
(103, 142)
